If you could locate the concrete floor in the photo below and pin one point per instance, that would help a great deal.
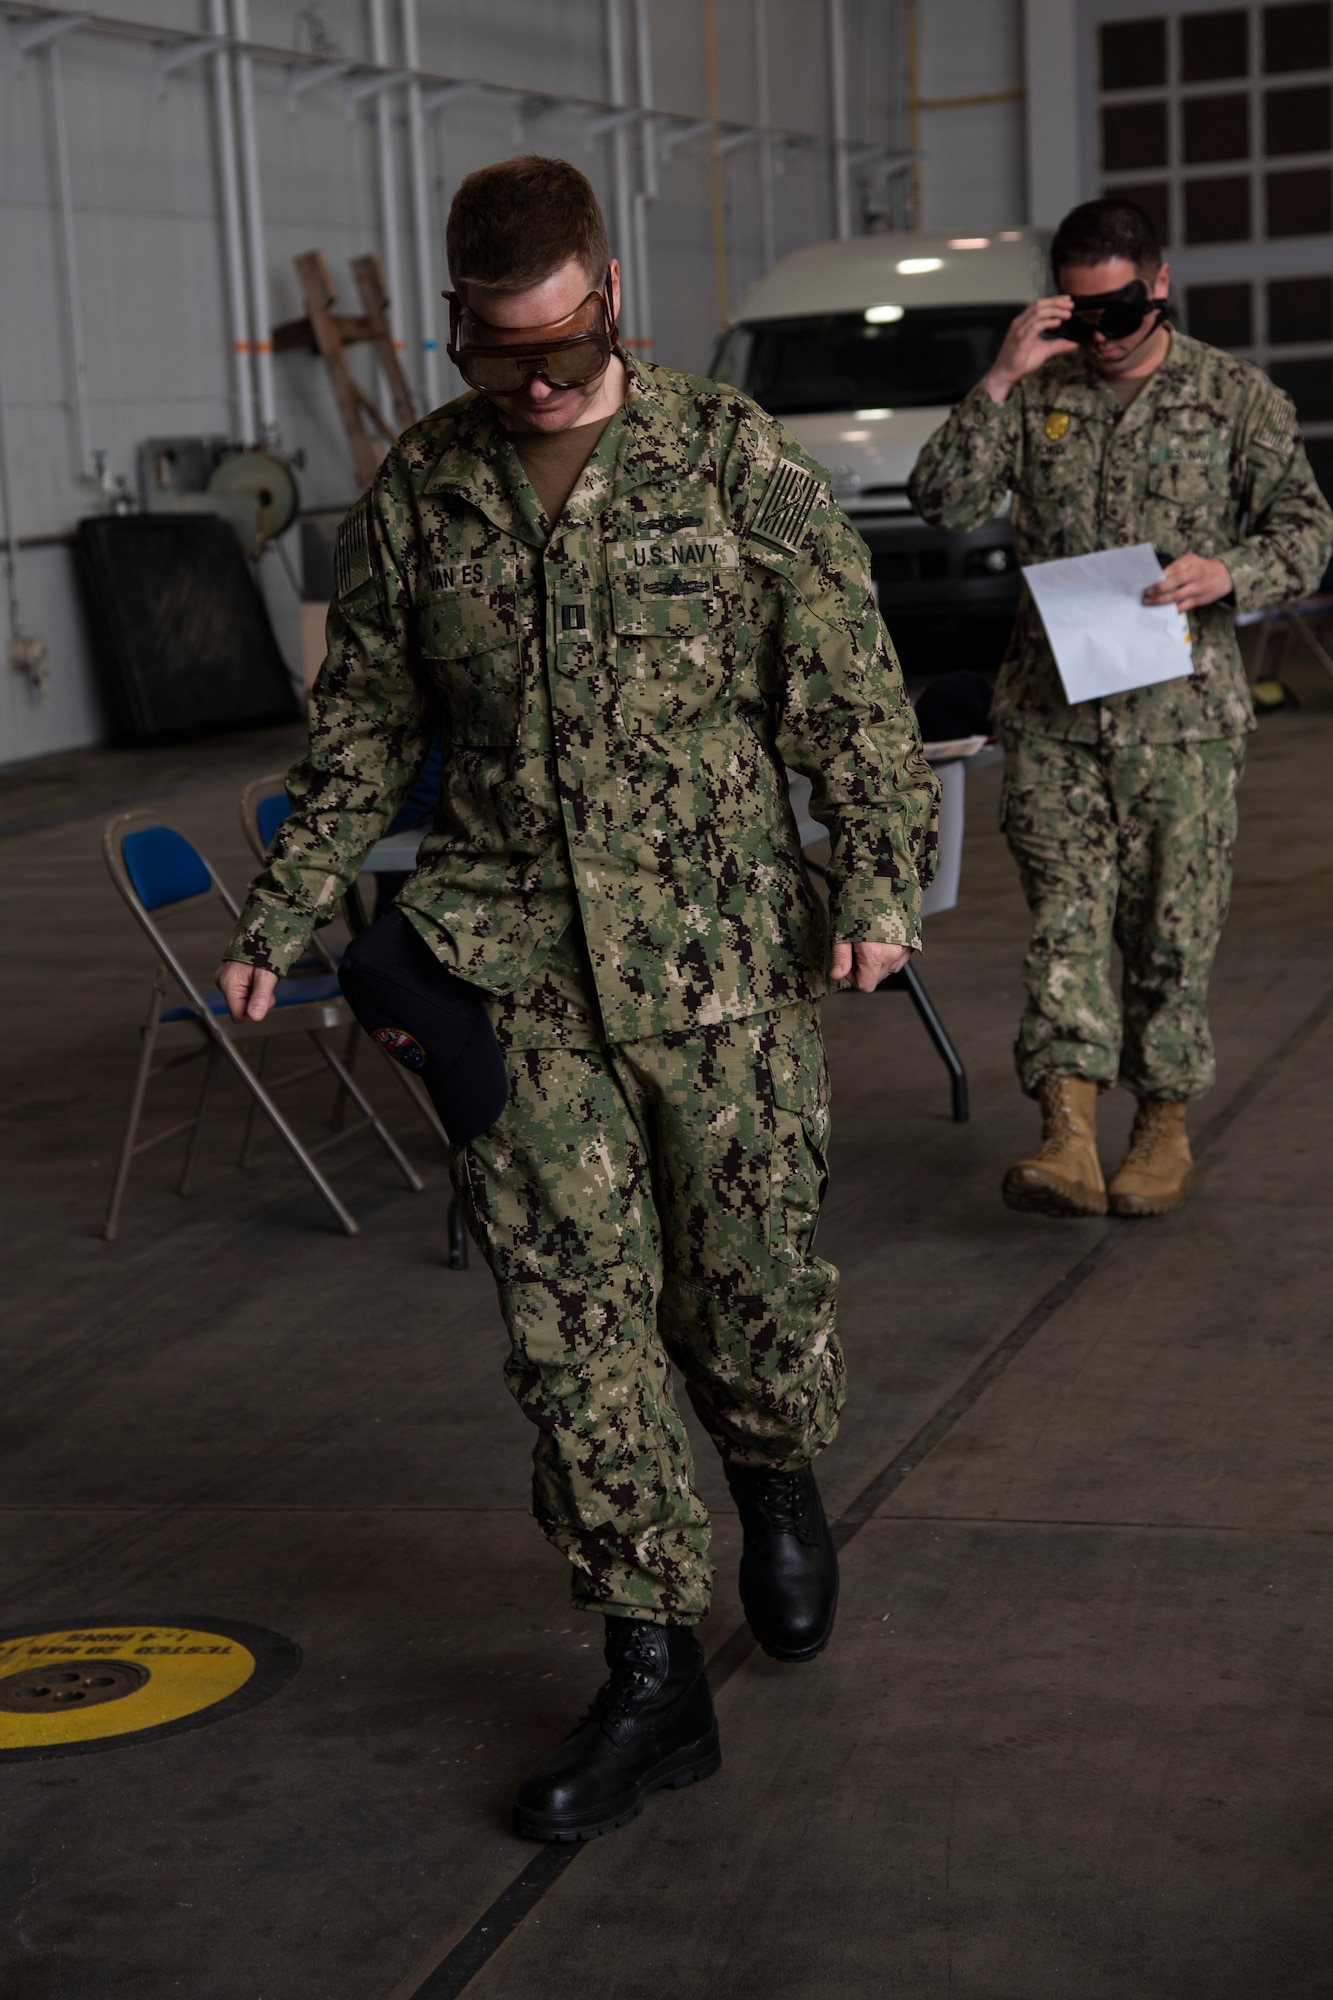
(1073, 1738)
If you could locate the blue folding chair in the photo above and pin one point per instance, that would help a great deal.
(158, 872)
(264, 806)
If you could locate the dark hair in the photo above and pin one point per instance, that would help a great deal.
(512, 224)
(1097, 231)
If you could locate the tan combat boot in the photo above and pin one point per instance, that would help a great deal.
(1158, 1171)
(1064, 1176)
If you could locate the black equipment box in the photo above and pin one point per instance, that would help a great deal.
(183, 633)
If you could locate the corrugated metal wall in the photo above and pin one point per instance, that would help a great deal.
(146, 247)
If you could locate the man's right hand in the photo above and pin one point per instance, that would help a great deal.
(247, 989)
(1024, 349)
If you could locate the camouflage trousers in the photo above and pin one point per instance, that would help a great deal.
(647, 1207)
(1131, 846)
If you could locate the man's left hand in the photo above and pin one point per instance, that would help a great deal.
(873, 962)
(1189, 582)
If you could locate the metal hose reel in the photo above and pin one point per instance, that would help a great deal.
(254, 490)
(257, 489)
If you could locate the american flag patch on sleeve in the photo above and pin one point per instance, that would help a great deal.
(351, 555)
(1276, 422)
(785, 507)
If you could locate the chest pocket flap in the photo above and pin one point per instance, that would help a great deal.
(468, 632)
(1189, 458)
(662, 589)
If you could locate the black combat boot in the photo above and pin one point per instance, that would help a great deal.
(789, 1567)
(650, 1725)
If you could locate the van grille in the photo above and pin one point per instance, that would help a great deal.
(910, 566)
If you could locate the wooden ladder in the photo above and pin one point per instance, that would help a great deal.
(327, 333)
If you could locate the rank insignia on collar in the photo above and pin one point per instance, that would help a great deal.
(1057, 423)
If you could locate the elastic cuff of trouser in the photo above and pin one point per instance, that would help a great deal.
(1157, 1093)
(642, 1617)
(646, 1614)
(759, 1463)
(1032, 1084)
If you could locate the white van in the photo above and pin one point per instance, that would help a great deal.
(862, 347)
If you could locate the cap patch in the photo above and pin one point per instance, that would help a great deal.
(404, 1048)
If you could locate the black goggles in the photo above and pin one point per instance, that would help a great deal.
(1114, 315)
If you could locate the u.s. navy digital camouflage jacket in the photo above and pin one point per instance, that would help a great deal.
(1206, 459)
(617, 703)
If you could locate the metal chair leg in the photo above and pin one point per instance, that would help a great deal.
(341, 1099)
(457, 1236)
(347, 1222)
(368, 1112)
(1302, 626)
(252, 1116)
(197, 1130)
(120, 1178)
(907, 981)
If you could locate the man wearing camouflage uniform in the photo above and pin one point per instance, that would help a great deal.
(627, 598)
(1121, 813)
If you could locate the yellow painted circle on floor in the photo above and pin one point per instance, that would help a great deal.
(185, 1669)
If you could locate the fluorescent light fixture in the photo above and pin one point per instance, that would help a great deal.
(916, 267)
(883, 315)
(969, 242)
(854, 437)
(1011, 236)
(868, 416)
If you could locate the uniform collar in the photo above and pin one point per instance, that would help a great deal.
(1070, 382)
(654, 450)
(646, 446)
(480, 467)
(1178, 376)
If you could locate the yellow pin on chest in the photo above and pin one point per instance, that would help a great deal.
(1057, 423)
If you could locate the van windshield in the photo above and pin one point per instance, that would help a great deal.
(846, 361)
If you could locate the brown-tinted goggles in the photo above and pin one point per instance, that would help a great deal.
(566, 354)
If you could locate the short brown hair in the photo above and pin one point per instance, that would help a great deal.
(1098, 231)
(512, 224)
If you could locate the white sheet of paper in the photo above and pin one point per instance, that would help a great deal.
(1106, 640)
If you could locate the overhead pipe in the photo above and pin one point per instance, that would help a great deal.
(715, 164)
(768, 229)
(261, 313)
(233, 241)
(388, 180)
(647, 189)
(11, 528)
(837, 63)
(27, 652)
(617, 81)
(78, 355)
(303, 72)
(425, 262)
(913, 114)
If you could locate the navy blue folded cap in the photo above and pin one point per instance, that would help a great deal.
(430, 1021)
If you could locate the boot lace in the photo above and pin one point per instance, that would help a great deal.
(632, 1680)
(1057, 1121)
(1150, 1131)
(784, 1501)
